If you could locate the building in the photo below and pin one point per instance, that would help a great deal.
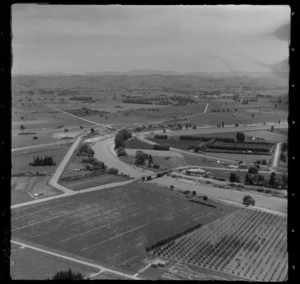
(159, 263)
(195, 171)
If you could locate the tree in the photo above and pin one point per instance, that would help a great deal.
(194, 192)
(22, 128)
(272, 179)
(121, 152)
(67, 275)
(240, 136)
(248, 179)
(164, 130)
(140, 158)
(234, 178)
(123, 135)
(284, 147)
(66, 129)
(223, 124)
(81, 127)
(92, 130)
(272, 128)
(186, 126)
(282, 157)
(284, 180)
(150, 160)
(248, 200)
(253, 170)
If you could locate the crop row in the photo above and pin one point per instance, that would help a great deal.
(241, 147)
(248, 244)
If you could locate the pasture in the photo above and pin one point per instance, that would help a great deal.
(267, 135)
(193, 160)
(163, 162)
(94, 181)
(20, 161)
(246, 243)
(111, 225)
(28, 264)
(27, 140)
(249, 158)
(22, 188)
(138, 144)
(155, 153)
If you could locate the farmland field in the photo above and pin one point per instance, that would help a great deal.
(240, 157)
(217, 118)
(193, 160)
(155, 153)
(22, 188)
(98, 224)
(138, 144)
(246, 243)
(28, 264)
(94, 181)
(175, 143)
(27, 140)
(172, 162)
(267, 135)
(20, 161)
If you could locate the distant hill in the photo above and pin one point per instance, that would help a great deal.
(181, 82)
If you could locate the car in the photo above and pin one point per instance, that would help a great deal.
(171, 187)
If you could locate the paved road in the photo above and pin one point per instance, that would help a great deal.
(66, 191)
(54, 179)
(261, 201)
(276, 155)
(104, 152)
(62, 256)
(90, 121)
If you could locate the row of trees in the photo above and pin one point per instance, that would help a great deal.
(172, 238)
(283, 154)
(39, 161)
(254, 178)
(141, 158)
(273, 181)
(85, 150)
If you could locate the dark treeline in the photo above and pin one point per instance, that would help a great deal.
(39, 161)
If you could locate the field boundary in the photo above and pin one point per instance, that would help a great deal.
(64, 256)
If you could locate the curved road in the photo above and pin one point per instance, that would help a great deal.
(103, 153)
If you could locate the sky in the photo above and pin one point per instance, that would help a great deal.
(78, 39)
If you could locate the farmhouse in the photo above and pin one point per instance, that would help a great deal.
(226, 95)
(195, 171)
(159, 263)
